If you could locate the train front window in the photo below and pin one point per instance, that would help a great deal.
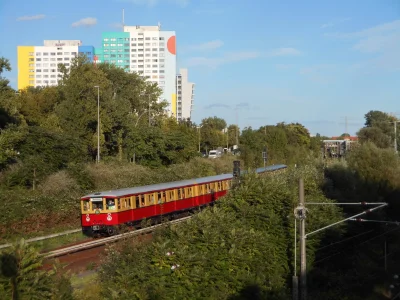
(97, 203)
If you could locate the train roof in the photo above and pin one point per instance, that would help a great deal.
(171, 185)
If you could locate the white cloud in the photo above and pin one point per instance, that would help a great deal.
(284, 52)
(233, 57)
(152, 3)
(31, 18)
(336, 22)
(117, 25)
(225, 59)
(87, 22)
(327, 25)
(381, 43)
(212, 45)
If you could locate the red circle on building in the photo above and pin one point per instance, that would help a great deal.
(171, 45)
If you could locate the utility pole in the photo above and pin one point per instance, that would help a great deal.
(149, 110)
(303, 257)
(395, 136)
(300, 214)
(98, 123)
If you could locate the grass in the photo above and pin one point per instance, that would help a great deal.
(86, 286)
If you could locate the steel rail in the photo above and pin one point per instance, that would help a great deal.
(41, 238)
(97, 243)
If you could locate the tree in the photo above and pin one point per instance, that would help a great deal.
(21, 277)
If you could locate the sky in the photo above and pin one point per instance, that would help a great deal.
(323, 64)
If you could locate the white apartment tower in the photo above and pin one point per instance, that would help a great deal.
(185, 95)
(153, 55)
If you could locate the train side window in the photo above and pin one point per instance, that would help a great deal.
(85, 206)
(219, 186)
(159, 198)
(118, 202)
(179, 194)
(146, 200)
(137, 202)
(208, 188)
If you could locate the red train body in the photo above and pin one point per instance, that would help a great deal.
(104, 212)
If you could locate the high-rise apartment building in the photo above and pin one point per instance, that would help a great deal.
(38, 65)
(147, 50)
(185, 96)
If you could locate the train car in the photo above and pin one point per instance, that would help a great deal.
(104, 212)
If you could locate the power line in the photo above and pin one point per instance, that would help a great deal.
(340, 252)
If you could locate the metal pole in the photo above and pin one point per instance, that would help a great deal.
(149, 110)
(395, 136)
(295, 280)
(303, 265)
(237, 128)
(385, 257)
(199, 137)
(98, 123)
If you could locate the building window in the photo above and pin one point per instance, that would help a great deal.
(73, 53)
(155, 66)
(161, 38)
(113, 40)
(162, 60)
(66, 58)
(120, 45)
(126, 50)
(31, 59)
(133, 60)
(105, 40)
(59, 59)
(147, 49)
(126, 55)
(133, 39)
(31, 65)
(154, 49)
(147, 44)
(161, 54)
(106, 50)
(106, 56)
(38, 59)
(126, 44)
(113, 55)
(162, 71)
(38, 70)
(133, 55)
(154, 44)
(38, 76)
(140, 66)
(52, 53)
(155, 71)
(162, 66)
(147, 71)
(53, 59)
(45, 59)
(161, 49)
(162, 44)
(154, 55)
(140, 55)
(31, 53)
(51, 65)
(31, 76)
(38, 65)
(162, 82)
(113, 45)
(45, 53)
(147, 39)
(38, 81)
(59, 53)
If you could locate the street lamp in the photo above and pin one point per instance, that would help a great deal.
(198, 128)
(98, 123)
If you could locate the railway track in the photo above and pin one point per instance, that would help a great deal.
(103, 241)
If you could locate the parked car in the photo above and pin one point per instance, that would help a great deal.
(214, 154)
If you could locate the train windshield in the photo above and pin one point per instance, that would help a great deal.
(97, 203)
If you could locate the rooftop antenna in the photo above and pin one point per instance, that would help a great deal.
(159, 26)
(123, 17)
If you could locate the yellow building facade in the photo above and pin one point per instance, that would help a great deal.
(26, 66)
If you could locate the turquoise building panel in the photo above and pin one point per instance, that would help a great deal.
(116, 49)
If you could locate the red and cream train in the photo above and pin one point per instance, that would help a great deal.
(104, 212)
